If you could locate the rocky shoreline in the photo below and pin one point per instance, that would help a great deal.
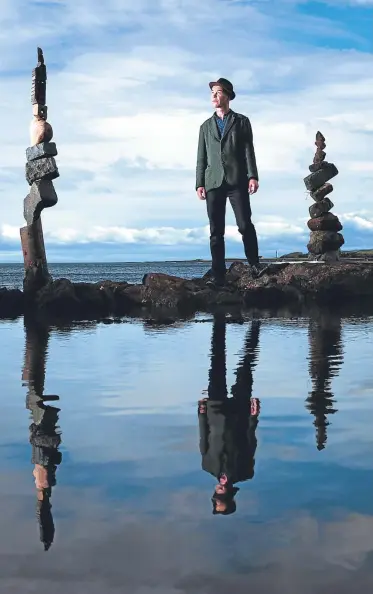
(282, 285)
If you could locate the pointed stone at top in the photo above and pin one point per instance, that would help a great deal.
(40, 57)
(39, 81)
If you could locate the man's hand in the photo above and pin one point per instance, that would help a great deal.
(253, 186)
(201, 193)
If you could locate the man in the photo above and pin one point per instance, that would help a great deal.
(226, 167)
(227, 426)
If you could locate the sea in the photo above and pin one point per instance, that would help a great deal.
(210, 455)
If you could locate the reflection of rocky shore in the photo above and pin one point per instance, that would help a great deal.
(325, 359)
(44, 435)
(283, 284)
(228, 425)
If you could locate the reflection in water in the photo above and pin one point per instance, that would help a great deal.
(326, 358)
(44, 435)
(227, 425)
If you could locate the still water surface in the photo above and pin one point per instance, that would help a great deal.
(130, 463)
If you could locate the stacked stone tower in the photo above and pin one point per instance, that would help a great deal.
(41, 169)
(325, 239)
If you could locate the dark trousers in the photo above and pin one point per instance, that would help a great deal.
(216, 201)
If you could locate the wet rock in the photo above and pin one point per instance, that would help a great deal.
(166, 297)
(326, 222)
(319, 208)
(11, 303)
(324, 241)
(41, 169)
(43, 149)
(42, 195)
(320, 177)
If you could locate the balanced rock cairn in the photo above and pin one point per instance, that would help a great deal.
(325, 239)
(41, 169)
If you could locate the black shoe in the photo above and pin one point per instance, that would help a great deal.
(216, 281)
(257, 270)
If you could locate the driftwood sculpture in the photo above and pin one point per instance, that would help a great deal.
(41, 169)
(325, 239)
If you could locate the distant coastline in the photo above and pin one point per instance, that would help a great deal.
(366, 254)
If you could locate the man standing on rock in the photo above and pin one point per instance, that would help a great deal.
(226, 168)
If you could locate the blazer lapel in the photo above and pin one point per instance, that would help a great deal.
(214, 128)
(229, 123)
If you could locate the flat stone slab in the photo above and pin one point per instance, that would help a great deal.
(320, 177)
(44, 149)
(283, 285)
(45, 168)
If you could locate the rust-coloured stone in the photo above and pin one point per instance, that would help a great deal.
(35, 261)
(40, 131)
(327, 222)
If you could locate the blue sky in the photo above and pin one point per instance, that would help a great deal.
(128, 89)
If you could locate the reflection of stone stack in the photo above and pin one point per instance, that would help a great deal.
(325, 361)
(45, 437)
(325, 239)
(41, 169)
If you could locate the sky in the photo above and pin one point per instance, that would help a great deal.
(128, 90)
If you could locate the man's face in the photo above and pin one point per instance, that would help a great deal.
(218, 97)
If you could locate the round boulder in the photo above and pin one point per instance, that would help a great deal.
(326, 222)
(319, 208)
(324, 241)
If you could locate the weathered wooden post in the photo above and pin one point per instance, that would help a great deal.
(41, 169)
(325, 239)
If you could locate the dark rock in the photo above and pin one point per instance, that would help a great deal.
(38, 151)
(332, 256)
(324, 241)
(63, 298)
(318, 179)
(320, 194)
(319, 208)
(45, 168)
(42, 195)
(326, 222)
(164, 297)
(318, 165)
(11, 303)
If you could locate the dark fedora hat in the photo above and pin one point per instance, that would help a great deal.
(226, 85)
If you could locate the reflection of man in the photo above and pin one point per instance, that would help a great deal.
(226, 168)
(227, 425)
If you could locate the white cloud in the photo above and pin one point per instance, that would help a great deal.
(153, 235)
(126, 110)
